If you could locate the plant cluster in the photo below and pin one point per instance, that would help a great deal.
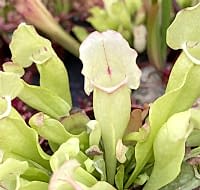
(112, 150)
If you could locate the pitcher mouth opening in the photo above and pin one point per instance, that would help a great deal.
(188, 54)
(112, 89)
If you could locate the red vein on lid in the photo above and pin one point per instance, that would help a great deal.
(109, 71)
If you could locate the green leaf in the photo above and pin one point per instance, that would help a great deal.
(70, 176)
(76, 123)
(25, 43)
(178, 33)
(34, 185)
(34, 171)
(169, 150)
(54, 77)
(142, 179)
(84, 177)
(44, 100)
(185, 3)
(133, 6)
(54, 131)
(114, 119)
(166, 10)
(101, 185)
(188, 40)
(101, 20)
(10, 84)
(53, 146)
(18, 138)
(12, 166)
(95, 132)
(80, 32)
(121, 15)
(50, 129)
(10, 170)
(195, 118)
(139, 136)
(99, 165)
(193, 139)
(38, 50)
(119, 177)
(116, 15)
(184, 88)
(108, 4)
(193, 153)
(36, 174)
(153, 38)
(66, 151)
(89, 165)
(185, 181)
(179, 73)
